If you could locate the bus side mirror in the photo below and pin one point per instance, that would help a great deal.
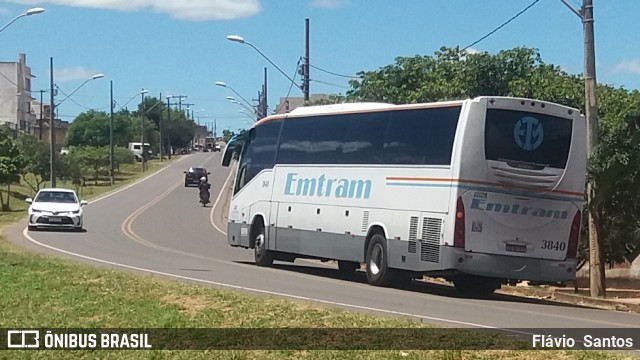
(226, 158)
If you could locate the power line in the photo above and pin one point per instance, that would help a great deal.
(331, 84)
(332, 73)
(503, 24)
(290, 87)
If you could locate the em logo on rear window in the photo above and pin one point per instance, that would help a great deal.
(528, 133)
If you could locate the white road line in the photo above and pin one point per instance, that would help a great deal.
(215, 204)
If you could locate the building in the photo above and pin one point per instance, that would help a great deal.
(61, 126)
(15, 95)
(288, 104)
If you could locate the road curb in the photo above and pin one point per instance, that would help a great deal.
(610, 304)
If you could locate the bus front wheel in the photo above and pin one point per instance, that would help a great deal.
(263, 257)
(378, 272)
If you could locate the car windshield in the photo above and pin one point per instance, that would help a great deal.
(56, 197)
(198, 170)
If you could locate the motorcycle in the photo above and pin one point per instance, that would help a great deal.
(204, 197)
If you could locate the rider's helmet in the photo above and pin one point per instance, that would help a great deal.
(203, 179)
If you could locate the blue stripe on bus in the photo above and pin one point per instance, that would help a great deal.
(491, 189)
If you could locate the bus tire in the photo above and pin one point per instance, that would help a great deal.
(377, 269)
(347, 267)
(262, 256)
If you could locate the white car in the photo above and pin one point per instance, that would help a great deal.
(55, 208)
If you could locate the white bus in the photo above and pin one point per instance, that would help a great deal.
(480, 192)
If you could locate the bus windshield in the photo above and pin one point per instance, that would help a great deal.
(526, 139)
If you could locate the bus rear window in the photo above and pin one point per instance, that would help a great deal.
(528, 140)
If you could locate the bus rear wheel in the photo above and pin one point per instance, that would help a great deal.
(262, 256)
(377, 269)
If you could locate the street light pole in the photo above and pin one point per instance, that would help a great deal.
(223, 84)
(52, 121)
(241, 40)
(32, 11)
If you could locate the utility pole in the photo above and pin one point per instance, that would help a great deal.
(144, 151)
(215, 135)
(52, 130)
(597, 280)
(40, 121)
(169, 123)
(265, 107)
(111, 155)
(160, 131)
(180, 97)
(305, 65)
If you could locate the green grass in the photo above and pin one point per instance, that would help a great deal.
(128, 174)
(47, 292)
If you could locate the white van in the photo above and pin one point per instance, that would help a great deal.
(136, 149)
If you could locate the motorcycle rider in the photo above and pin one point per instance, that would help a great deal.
(204, 187)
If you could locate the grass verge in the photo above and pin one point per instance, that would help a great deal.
(45, 292)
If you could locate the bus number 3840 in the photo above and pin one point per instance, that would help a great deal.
(553, 245)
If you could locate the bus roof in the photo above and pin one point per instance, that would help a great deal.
(358, 107)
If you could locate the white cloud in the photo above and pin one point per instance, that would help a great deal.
(328, 3)
(628, 66)
(194, 10)
(473, 51)
(73, 73)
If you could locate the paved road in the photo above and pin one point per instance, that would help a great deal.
(157, 226)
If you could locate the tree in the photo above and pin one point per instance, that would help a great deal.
(179, 129)
(11, 164)
(36, 161)
(121, 156)
(92, 160)
(92, 128)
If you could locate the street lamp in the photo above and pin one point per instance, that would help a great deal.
(32, 11)
(52, 124)
(144, 152)
(223, 84)
(234, 101)
(241, 40)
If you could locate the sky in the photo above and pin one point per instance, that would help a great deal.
(179, 47)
